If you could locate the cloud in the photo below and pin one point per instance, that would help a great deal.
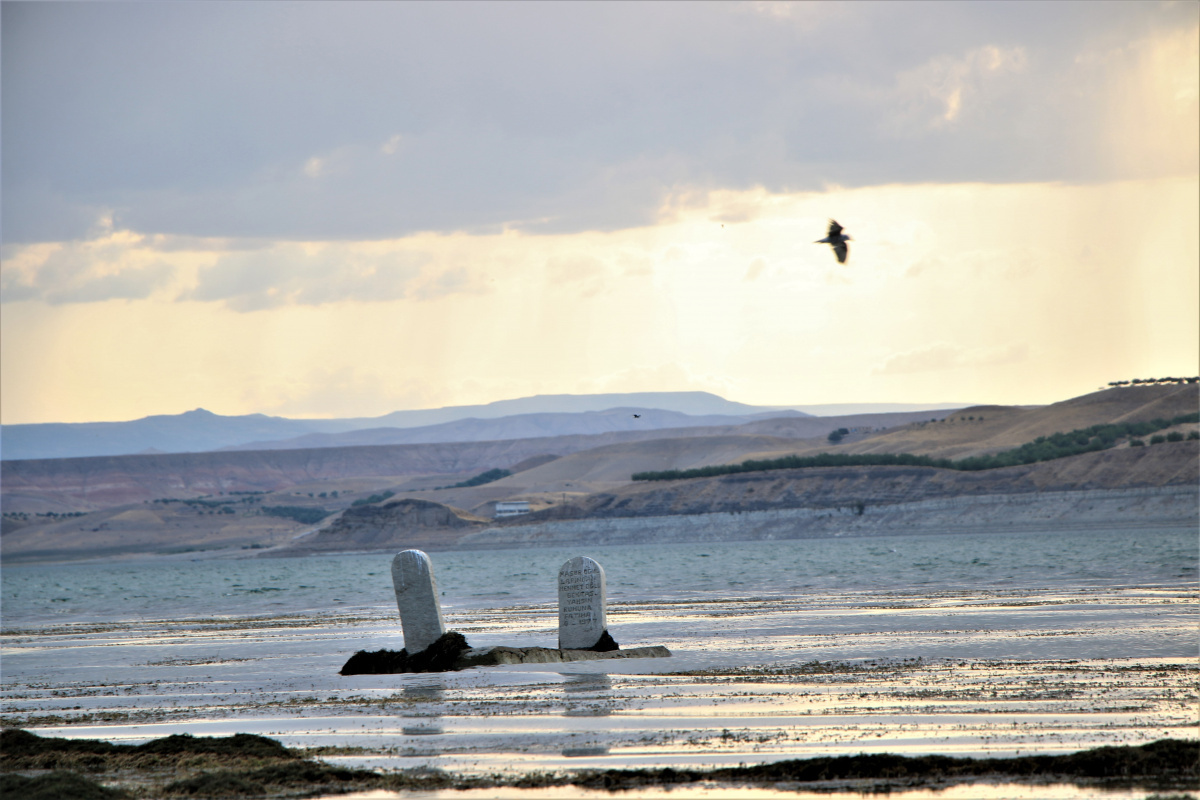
(943, 356)
(1152, 122)
(755, 269)
(936, 94)
(353, 389)
(327, 121)
(390, 147)
(454, 280)
(923, 265)
(662, 377)
(114, 267)
(131, 284)
(585, 273)
(315, 274)
(314, 167)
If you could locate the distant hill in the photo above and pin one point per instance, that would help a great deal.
(518, 426)
(192, 431)
(201, 431)
(693, 403)
(182, 502)
(85, 484)
(980, 430)
(91, 483)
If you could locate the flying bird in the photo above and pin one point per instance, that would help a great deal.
(837, 240)
(637, 416)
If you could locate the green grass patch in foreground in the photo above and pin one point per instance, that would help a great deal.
(1043, 448)
(247, 766)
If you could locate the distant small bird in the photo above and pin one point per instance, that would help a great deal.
(837, 240)
(637, 416)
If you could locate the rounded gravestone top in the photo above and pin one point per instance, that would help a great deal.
(582, 597)
(417, 599)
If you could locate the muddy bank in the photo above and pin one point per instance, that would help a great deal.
(254, 766)
(242, 765)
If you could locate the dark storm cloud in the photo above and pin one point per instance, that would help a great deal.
(372, 120)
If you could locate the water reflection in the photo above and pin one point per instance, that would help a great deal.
(589, 682)
(582, 752)
(588, 694)
(424, 690)
(422, 730)
(422, 693)
(588, 711)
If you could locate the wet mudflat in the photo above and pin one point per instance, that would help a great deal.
(1006, 667)
(753, 681)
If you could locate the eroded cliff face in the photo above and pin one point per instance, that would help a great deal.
(1045, 513)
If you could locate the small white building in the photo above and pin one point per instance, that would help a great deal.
(511, 508)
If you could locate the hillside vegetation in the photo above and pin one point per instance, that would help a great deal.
(1173, 464)
(1044, 448)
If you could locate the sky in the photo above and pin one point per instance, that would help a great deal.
(345, 209)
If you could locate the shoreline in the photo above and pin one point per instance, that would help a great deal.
(249, 766)
(1099, 510)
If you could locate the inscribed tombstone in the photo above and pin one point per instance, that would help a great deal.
(582, 596)
(417, 599)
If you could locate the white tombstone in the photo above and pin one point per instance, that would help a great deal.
(417, 599)
(582, 597)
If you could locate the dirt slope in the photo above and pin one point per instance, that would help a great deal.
(431, 526)
(996, 428)
(396, 525)
(981, 429)
(136, 530)
(1161, 465)
(87, 484)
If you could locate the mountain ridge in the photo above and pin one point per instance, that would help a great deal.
(200, 430)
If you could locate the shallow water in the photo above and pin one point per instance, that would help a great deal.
(959, 645)
(484, 579)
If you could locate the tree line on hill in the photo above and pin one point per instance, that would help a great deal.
(1153, 381)
(480, 479)
(1043, 448)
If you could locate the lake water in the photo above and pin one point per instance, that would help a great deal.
(815, 568)
(955, 644)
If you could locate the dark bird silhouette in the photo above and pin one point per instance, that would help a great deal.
(837, 240)
(637, 416)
